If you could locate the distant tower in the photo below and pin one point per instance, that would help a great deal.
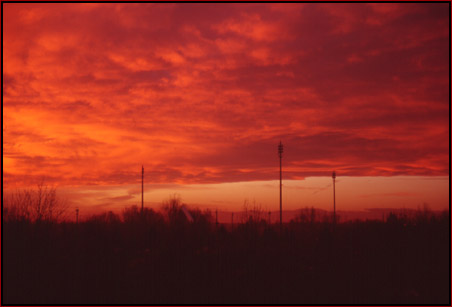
(76, 215)
(334, 196)
(280, 152)
(142, 183)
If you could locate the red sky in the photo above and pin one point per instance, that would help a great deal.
(202, 93)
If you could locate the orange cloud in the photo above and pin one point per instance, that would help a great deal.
(202, 93)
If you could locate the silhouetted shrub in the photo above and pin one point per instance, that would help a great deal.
(133, 215)
(104, 218)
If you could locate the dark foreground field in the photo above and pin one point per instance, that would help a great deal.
(152, 260)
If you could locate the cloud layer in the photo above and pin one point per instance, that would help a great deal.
(203, 93)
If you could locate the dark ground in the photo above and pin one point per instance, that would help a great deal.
(156, 261)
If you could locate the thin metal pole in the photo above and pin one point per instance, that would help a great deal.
(280, 152)
(334, 198)
(142, 195)
(280, 191)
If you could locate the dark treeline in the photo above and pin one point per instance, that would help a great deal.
(163, 258)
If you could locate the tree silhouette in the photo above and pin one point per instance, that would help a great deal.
(35, 205)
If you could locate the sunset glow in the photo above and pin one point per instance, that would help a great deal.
(201, 94)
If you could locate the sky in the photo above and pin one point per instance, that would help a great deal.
(201, 95)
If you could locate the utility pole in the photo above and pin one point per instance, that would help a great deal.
(280, 152)
(334, 197)
(76, 215)
(269, 217)
(142, 196)
(216, 218)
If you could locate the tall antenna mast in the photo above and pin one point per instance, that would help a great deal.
(142, 196)
(334, 196)
(280, 152)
